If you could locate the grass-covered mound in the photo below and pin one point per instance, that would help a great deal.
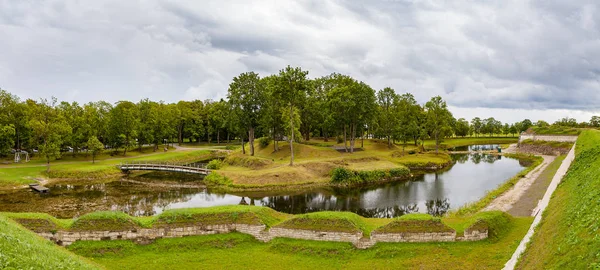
(556, 130)
(497, 223)
(247, 161)
(327, 221)
(38, 222)
(567, 237)
(343, 176)
(23, 249)
(105, 221)
(415, 223)
(240, 214)
(425, 161)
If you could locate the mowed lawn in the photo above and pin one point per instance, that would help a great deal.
(240, 251)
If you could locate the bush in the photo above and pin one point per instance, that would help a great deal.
(263, 142)
(412, 152)
(342, 175)
(339, 139)
(214, 164)
(231, 147)
(215, 179)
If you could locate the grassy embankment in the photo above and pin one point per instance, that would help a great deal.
(238, 250)
(316, 159)
(16, 175)
(23, 249)
(557, 130)
(568, 236)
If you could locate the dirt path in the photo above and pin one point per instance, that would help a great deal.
(560, 173)
(506, 201)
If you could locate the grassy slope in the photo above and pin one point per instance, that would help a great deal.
(23, 249)
(568, 236)
(238, 251)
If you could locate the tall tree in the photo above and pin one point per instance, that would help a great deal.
(95, 146)
(438, 119)
(476, 125)
(462, 127)
(292, 87)
(245, 95)
(148, 118)
(49, 127)
(123, 124)
(388, 102)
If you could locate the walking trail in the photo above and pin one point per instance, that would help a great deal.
(564, 167)
(506, 201)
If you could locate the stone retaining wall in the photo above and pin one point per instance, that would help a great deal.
(260, 232)
(548, 138)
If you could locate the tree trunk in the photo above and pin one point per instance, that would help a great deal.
(251, 140)
(127, 144)
(93, 158)
(243, 148)
(292, 135)
(326, 136)
(274, 141)
(180, 137)
(228, 137)
(345, 140)
(218, 139)
(352, 135)
(437, 143)
(362, 140)
(389, 142)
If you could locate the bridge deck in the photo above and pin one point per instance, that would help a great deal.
(165, 167)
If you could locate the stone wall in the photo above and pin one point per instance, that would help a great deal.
(548, 138)
(145, 235)
(414, 237)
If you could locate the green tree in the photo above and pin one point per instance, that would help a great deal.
(292, 86)
(148, 119)
(595, 121)
(7, 141)
(462, 127)
(476, 125)
(49, 127)
(272, 117)
(218, 115)
(388, 102)
(245, 95)
(95, 146)
(438, 119)
(123, 124)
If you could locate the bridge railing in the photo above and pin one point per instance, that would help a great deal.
(164, 164)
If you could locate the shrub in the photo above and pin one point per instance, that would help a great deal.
(215, 179)
(339, 139)
(341, 175)
(263, 142)
(412, 152)
(214, 164)
(231, 147)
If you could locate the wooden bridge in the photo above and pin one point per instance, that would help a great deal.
(197, 168)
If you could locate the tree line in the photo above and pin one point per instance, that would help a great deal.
(284, 106)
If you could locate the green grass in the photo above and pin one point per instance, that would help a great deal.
(14, 175)
(568, 236)
(239, 251)
(105, 221)
(557, 130)
(415, 223)
(327, 221)
(547, 143)
(243, 214)
(23, 249)
(425, 160)
(455, 142)
(472, 208)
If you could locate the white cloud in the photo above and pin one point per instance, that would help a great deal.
(523, 55)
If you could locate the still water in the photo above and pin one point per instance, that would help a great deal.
(434, 193)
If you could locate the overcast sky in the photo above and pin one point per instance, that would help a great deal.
(509, 59)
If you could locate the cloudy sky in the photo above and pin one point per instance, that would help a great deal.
(509, 59)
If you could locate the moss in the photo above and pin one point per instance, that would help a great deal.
(415, 223)
(327, 221)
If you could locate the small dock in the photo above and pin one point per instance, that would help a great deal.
(39, 188)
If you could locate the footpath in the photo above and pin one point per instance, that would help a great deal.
(541, 207)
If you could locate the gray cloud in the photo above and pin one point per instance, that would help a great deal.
(514, 54)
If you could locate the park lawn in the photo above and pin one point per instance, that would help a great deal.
(12, 176)
(573, 214)
(239, 251)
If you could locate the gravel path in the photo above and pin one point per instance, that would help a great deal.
(564, 167)
(506, 201)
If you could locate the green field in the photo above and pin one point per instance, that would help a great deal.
(239, 251)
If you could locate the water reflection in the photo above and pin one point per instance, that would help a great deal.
(476, 147)
(433, 193)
